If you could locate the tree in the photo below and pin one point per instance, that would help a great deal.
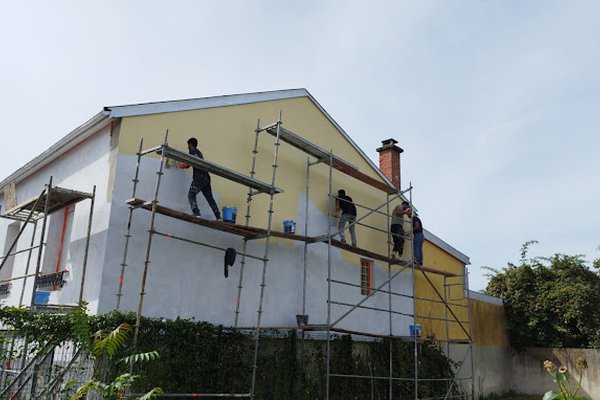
(549, 301)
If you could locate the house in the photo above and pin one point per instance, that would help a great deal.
(185, 277)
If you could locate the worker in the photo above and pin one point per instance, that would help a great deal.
(397, 231)
(200, 182)
(417, 227)
(347, 208)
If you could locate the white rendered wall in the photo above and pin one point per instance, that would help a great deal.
(81, 168)
(187, 281)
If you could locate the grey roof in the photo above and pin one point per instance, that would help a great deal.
(91, 126)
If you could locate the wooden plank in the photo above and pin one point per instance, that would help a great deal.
(251, 232)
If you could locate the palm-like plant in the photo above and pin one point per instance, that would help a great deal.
(104, 348)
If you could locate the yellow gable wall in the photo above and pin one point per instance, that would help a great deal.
(226, 137)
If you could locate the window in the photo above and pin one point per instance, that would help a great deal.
(366, 276)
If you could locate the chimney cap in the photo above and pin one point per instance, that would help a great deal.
(389, 144)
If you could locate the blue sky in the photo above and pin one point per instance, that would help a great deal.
(496, 103)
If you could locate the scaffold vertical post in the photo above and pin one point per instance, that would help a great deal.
(330, 220)
(28, 264)
(446, 322)
(391, 348)
(266, 256)
(414, 287)
(135, 181)
(238, 299)
(138, 318)
(467, 289)
(38, 265)
(306, 200)
(87, 244)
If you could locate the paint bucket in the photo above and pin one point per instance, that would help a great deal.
(418, 330)
(42, 297)
(289, 226)
(229, 214)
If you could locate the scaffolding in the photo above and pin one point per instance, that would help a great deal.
(248, 232)
(29, 213)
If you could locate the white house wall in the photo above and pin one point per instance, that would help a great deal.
(186, 280)
(81, 168)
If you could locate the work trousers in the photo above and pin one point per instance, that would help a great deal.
(397, 238)
(342, 225)
(206, 190)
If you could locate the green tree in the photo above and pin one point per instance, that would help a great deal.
(549, 301)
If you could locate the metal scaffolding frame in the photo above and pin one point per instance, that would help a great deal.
(248, 232)
(51, 199)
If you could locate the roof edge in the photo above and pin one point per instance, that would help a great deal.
(485, 298)
(446, 247)
(76, 136)
(203, 102)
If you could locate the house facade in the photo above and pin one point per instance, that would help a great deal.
(185, 279)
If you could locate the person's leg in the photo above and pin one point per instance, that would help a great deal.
(341, 227)
(192, 199)
(394, 230)
(352, 225)
(207, 192)
(418, 248)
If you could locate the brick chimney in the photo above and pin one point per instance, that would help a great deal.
(389, 160)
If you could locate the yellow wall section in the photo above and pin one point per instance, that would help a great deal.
(226, 137)
(431, 311)
(489, 324)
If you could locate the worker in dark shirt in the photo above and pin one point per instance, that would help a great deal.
(200, 183)
(344, 204)
(418, 237)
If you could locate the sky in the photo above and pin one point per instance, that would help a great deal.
(496, 103)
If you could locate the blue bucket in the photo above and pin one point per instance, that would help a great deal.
(229, 214)
(42, 297)
(412, 330)
(289, 226)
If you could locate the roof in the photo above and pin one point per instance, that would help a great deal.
(109, 113)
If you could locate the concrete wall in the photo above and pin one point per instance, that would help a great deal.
(87, 164)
